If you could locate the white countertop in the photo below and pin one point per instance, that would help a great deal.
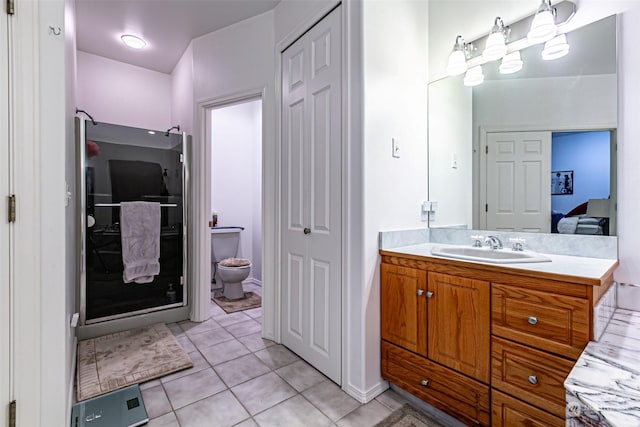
(574, 266)
(604, 386)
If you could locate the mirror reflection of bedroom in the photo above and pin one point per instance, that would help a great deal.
(583, 182)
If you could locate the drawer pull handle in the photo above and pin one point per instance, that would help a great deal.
(420, 292)
(532, 320)
(533, 379)
(424, 382)
(429, 294)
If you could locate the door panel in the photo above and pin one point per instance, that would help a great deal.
(5, 238)
(311, 196)
(518, 188)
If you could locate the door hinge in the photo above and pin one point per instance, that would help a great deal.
(12, 414)
(486, 149)
(486, 207)
(12, 208)
(11, 9)
(181, 158)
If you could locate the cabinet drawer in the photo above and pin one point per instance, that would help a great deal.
(456, 394)
(556, 323)
(509, 412)
(534, 376)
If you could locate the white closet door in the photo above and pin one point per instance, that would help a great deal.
(311, 256)
(519, 181)
(5, 296)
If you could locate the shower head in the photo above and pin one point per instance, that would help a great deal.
(171, 128)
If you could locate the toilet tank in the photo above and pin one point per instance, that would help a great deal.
(224, 242)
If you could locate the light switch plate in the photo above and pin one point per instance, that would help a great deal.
(395, 148)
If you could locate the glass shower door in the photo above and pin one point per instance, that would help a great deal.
(123, 164)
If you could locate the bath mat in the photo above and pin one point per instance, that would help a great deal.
(114, 361)
(407, 416)
(250, 300)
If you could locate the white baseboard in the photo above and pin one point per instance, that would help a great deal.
(365, 396)
(252, 281)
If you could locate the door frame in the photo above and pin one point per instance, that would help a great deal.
(201, 198)
(480, 189)
(347, 212)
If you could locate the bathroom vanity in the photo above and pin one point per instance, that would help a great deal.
(490, 344)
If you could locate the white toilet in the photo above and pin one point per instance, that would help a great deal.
(229, 271)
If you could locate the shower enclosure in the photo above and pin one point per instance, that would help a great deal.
(122, 164)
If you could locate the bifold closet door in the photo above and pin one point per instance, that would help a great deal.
(311, 225)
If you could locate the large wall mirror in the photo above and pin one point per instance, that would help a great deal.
(533, 151)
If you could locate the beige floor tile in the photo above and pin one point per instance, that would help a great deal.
(277, 356)
(365, 415)
(186, 344)
(194, 387)
(391, 400)
(167, 420)
(239, 370)
(263, 392)
(220, 410)
(148, 384)
(242, 329)
(199, 363)
(247, 423)
(254, 312)
(191, 328)
(209, 338)
(224, 352)
(229, 319)
(296, 411)
(156, 401)
(300, 375)
(331, 400)
(255, 342)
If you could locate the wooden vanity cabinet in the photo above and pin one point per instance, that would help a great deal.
(509, 338)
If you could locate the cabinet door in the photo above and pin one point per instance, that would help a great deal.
(403, 307)
(459, 327)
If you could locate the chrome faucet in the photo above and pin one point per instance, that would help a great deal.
(493, 242)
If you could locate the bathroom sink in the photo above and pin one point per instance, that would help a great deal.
(495, 256)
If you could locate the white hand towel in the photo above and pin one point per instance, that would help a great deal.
(140, 233)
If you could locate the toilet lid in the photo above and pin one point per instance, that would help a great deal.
(235, 262)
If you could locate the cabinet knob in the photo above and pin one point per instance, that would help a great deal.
(532, 320)
(424, 382)
(533, 379)
(307, 230)
(429, 294)
(420, 292)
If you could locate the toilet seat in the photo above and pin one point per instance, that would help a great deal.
(234, 262)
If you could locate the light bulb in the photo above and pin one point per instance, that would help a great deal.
(543, 26)
(474, 76)
(457, 63)
(511, 63)
(555, 48)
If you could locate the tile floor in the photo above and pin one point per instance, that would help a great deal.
(240, 379)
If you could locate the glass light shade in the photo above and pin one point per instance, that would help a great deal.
(474, 76)
(555, 48)
(495, 47)
(132, 41)
(457, 63)
(511, 63)
(543, 27)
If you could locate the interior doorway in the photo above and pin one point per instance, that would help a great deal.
(234, 132)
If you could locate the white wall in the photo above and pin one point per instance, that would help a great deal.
(395, 106)
(470, 18)
(182, 112)
(236, 148)
(119, 93)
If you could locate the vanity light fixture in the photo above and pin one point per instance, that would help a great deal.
(511, 63)
(474, 76)
(496, 46)
(457, 63)
(132, 41)
(543, 26)
(555, 48)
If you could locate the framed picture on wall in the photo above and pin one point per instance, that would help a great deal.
(561, 183)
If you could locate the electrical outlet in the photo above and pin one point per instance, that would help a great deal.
(395, 148)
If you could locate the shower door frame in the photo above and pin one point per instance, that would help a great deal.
(80, 128)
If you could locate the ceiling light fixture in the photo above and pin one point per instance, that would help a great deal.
(511, 63)
(496, 46)
(151, 132)
(132, 41)
(543, 26)
(474, 76)
(555, 48)
(457, 63)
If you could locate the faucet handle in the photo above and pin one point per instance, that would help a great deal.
(477, 240)
(517, 244)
